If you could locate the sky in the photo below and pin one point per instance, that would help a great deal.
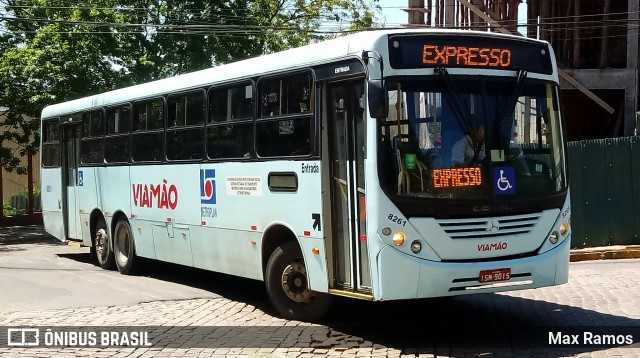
(394, 16)
(393, 13)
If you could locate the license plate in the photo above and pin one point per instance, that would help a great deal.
(503, 274)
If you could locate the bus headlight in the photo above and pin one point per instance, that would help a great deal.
(564, 227)
(416, 246)
(553, 238)
(398, 238)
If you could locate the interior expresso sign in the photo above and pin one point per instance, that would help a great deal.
(457, 177)
(406, 51)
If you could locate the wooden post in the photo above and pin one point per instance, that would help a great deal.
(632, 34)
(532, 19)
(513, 14)
(565, 54)
(449, 13)
(415, 12)
(466, 18)
(502, 12)
(527, 120)
(576, 32)
(604, 42)
(545, 17)
(1, 194)
(30, 183)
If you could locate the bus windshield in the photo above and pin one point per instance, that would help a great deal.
(455, 137)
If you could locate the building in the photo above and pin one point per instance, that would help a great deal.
(14, 183)
(596, 45)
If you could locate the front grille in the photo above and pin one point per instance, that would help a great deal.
(489, 227)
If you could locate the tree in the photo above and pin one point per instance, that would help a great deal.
(56, 50)
(48, 57)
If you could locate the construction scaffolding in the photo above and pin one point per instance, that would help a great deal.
(596, 46)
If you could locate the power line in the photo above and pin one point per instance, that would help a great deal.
(545, 25)
(215, 12)
(599, 23)
(246, 19)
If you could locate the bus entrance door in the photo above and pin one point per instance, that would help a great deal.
(344, 137)
(70, 146)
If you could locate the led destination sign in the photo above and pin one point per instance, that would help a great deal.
(456, 177)
(466, 56)
(470, 51)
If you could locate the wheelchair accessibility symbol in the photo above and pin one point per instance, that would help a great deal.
(505, 180)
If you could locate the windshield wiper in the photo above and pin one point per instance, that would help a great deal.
(462, 113)
(510, 102)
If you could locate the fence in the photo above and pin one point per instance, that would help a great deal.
(605, 203)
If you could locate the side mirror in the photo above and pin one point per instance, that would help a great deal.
(378, 98)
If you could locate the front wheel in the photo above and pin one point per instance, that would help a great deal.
(287, 286)
(124, 249)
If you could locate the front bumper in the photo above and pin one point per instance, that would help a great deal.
(403, 276)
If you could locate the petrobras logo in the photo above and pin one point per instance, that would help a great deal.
(207, 186)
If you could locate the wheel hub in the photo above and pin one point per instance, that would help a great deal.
(123, 246)
(294, 283)
(101, 243)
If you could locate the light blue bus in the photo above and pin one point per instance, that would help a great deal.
(382, 165)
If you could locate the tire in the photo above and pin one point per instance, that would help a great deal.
(124, 248)
(287, 287)
(102, 248)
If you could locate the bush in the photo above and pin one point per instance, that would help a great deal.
(24, 192)
(19, 202)
(7, 209)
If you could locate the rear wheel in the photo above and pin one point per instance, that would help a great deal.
(102, 246)
(287, 286)
(124, 249)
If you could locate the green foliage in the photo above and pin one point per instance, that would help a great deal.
(24, 192)
(8, 210)
(56, 50)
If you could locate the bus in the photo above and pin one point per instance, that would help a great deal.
(382, 165)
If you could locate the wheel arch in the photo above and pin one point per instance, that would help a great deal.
(275, 235)
(117, 216)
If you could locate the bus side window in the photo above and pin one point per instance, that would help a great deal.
(92, 144)
(147, 140)
(270, 93)
(50, 143)
(185, 132)
(298, 94)
(230, 126)
(116, 141)
(292, 133)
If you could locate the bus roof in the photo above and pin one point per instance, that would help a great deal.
(291, 59)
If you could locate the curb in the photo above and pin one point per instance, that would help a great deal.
(604, 254)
